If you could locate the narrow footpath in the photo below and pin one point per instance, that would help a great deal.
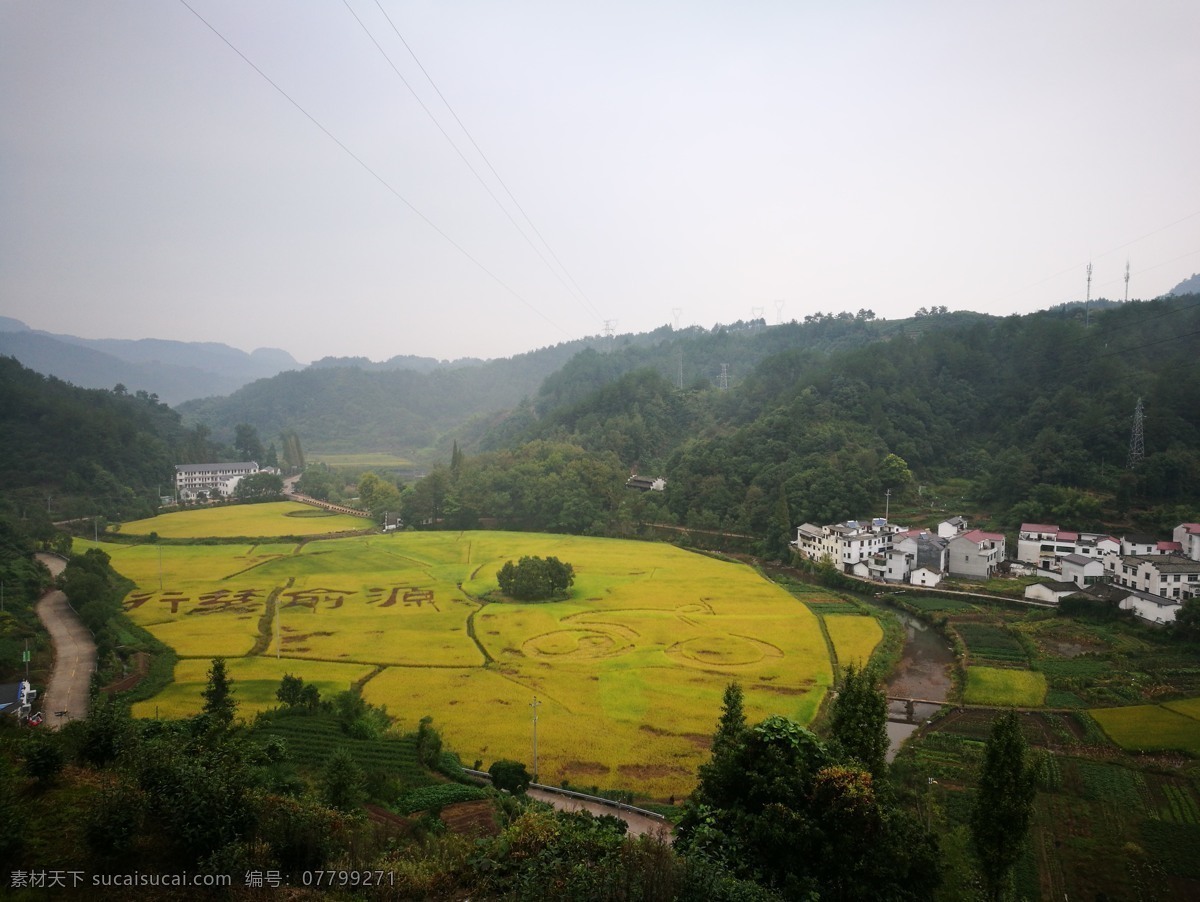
(74, 654)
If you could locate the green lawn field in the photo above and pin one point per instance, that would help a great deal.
(628, 672)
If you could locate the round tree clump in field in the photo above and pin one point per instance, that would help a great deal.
(535, 579)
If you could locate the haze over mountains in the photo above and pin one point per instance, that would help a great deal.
(173, 370)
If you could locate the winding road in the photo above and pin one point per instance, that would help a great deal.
(74, 654)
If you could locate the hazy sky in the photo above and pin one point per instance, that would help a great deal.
(714, 158)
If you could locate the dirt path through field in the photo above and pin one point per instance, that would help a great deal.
(74, 654)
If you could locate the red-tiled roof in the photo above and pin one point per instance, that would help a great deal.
(1068, 536)
(978, 535)
(1038, 527)
(1170, 546)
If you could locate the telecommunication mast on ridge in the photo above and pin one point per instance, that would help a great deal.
(1087, 306)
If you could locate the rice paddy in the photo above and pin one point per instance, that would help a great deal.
(1004, 686)
(854, 637)
(1173, 726)
(277, 518)
(628, 672)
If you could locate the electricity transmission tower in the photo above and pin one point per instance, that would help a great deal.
(1137, 443)
(723, 379)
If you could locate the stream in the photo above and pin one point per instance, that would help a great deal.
(922, 673)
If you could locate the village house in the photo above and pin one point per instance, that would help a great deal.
(923, 576)
(1081, 570)
(645, 483)
(975, 554)
(1188, 537)
(948, 529)
(1050, 591)
(1151, 608)
(1169, 576)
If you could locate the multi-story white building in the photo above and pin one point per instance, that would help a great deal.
(1170, 576)
(845, 544)
(214, 480)
(1044, 545)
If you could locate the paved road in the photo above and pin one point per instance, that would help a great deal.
(639, 824)
(74, 654)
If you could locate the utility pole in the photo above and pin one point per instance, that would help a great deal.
(887, 504)
(534, 706)
(1126, 281)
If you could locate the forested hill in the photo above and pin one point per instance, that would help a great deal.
(74, 452)
(411, 405)
(1036, 410)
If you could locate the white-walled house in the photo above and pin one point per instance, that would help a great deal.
(975, 554)
(1081, 570)
(1050, 591)
(1152, 608)
(1134, 545)
(927, 549)
(887, 566)
(948, 529)
(923, 576)
(1037, 543)
(1169, 576)
(1188, 537)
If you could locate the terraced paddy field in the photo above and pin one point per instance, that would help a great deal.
(277, 518)
(628, 672)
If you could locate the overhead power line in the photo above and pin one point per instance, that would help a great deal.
(479, 178)
(375, 175)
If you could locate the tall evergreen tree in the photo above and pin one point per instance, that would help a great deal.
(858, 720)
(219, 703)
(1004, 805)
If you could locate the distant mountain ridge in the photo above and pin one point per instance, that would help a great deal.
(1190, 285)
(175, 371)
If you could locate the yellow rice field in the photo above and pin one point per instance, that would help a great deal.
(628, 672)
(854, 637)
(277, 518)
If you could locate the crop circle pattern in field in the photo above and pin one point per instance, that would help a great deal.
(723, 651)
(574, 643)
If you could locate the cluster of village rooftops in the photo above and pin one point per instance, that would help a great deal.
(1149, 576)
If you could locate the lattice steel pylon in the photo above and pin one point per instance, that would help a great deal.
(1137, 439)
